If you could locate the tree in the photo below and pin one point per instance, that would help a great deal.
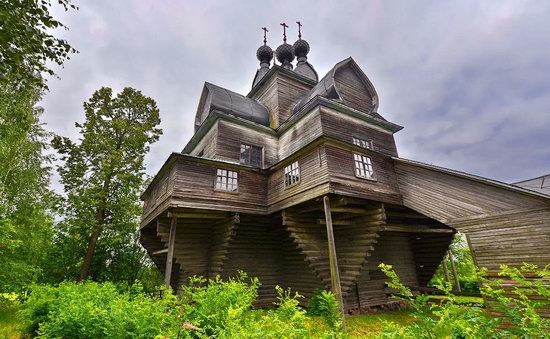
(25, 200)
(103, 176)
(25, 222)
(25, 42)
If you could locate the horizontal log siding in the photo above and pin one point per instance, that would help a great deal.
(444, 197)
(194, 188)
(393, 249)
(342, 127)
(256, 250)
(279, 94)
(231, 136)
(313, 174)
(207, 145)
(341, 170)
(301, 134)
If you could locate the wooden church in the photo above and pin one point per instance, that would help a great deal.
(300, 184)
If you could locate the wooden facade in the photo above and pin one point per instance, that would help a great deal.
(328, 161)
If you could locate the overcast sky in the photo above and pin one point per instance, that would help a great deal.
(469, 80)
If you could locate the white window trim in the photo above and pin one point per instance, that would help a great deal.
(219, 173)
(289, 169)
(363, 142)
(365, 166)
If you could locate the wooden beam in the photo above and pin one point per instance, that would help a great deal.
(163, 251)
(415, 229)
(209, 215)
(446, 270)
(170, 254)
(455, 273)
(333, 261)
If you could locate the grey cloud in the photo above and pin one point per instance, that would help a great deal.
(468, 79)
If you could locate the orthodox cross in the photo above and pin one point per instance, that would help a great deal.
(265, 36)
(299, 29)
(285, 26)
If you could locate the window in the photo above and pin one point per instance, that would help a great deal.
(363, 142)
(251, 155)
(363, 166)
(292, 174)
(226, 180)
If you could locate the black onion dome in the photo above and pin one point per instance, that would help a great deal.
(301, 48)
(264, 54)
(284, 53)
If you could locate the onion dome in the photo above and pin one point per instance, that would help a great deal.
(264, 54)
(285, 55)
(301, 48)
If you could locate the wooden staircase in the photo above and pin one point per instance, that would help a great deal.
(356, 225)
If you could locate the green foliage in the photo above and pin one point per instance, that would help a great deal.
(456, 320)
(323, 303)
(518, 296)
(26, 45)
(25, 222)
(207, 309)
(103, 176)
(94, 310)
(465, 266)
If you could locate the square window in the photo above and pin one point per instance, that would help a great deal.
(365, 143)
(292, 174)
(226, 180)
(363, 166)
(251, 155)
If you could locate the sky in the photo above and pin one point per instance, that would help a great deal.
(469, 80)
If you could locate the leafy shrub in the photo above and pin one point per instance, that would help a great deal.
(94, 310)
(451, 319)
(469, 286)
(223, 309)
(323, 303)
(520, 300)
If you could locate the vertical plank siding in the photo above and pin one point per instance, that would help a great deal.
(353, 91)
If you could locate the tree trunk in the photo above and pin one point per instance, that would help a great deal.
(87, 262)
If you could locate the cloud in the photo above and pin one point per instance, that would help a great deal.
(468, 80)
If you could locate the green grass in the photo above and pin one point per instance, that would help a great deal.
(9, 323)
(459, 299)
(371, 325)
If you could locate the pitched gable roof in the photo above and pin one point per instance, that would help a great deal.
(216, 98)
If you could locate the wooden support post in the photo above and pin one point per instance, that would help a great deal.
(333, 261)
(446, 270)
(455, 273)
(170, 254)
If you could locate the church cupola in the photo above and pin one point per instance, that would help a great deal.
(285, 52)
(264, 55)
(301, 49)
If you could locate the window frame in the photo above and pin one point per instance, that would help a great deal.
(369, 168)
(361, 139)
(216, 189)
(298, 175)
(261, 147)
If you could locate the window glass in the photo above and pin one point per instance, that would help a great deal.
(363, 166)
(292, 174)
(226, 180)
(363, 142)
(251, 155)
